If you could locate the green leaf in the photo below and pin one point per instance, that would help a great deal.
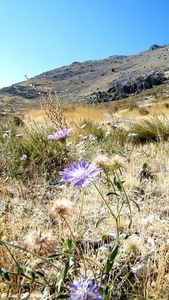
(63, 296)
(43, 288)
(100, 221)
(65, 271)
(58, 284)
(40, 274)
(54, 255)
(138, 207)
(126, 236)
(144, 166)
(107, 235)
(1, 234)
(4, 274)
(20, 270)
(118, 184)
(32, 276)
(69, 243)
(111, 193)
(111, 258)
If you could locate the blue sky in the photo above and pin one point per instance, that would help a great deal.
(41, 35)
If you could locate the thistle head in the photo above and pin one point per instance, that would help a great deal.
(61, 208)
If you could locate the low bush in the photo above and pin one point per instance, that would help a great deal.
(143, 111)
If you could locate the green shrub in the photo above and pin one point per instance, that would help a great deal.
(143, 111)
(132, 106)
(43, 156)
(166, 105)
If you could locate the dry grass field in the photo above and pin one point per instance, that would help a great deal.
(114, 230)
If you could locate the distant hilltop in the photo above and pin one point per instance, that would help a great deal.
(113, 78)
(155, 47)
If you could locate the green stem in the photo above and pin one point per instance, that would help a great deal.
(44, 259)
(117, 218)
(24, 275)
(136, 177)
(126, 200)
(108, 206)
(81, 209)
(80, 251)
(28, 251)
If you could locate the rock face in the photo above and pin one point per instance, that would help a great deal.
(26, 92)
(120, 90)
(113, 78)
(155, 47)
(141, 83)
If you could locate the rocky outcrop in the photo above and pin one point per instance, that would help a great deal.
(135, 86)
(155, 47)
(123, 89)
(26, 92)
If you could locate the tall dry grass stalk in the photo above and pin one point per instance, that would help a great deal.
(52, 107)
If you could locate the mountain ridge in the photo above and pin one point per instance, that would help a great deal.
(113, 78)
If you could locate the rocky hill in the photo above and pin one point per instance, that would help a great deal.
(113, 78)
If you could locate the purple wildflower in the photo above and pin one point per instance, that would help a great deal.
(59, 135)
(83, 126)
(7, 131)
(132, 134)
(84, 290)
(83, 137)
(114, 126)
(19, 135)
(123, 155)
(23, 157)
(92, 138)
(80, 173)
(99, 127)
(107, 123)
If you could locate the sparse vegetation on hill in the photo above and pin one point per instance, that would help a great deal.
(114, 78)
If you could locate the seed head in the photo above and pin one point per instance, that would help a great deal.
(116, 162)
(61, 207)
(35, 239)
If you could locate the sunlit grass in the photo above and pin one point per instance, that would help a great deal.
(155, 127)
(73, 114)
(154, 107)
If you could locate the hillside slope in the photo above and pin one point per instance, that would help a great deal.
(113, 78)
